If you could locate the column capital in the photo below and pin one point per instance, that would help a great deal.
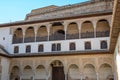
(94, 23)
(49, 25)
(66, 24)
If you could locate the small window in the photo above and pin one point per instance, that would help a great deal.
(53, 47)
(72, 46)
(28, 49)
(58, 47)
(40, 48)
(87, 45)
(16, 49)
(103, 44)
(3, 38)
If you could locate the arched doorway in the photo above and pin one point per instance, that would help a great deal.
(57, 70)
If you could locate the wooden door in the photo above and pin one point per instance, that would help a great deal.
(58, 73)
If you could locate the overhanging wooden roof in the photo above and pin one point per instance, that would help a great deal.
(115, 25)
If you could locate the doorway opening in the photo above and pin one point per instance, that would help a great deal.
(57, 70)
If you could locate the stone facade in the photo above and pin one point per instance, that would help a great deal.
(84, 8)
(83, 63)
(71, 42)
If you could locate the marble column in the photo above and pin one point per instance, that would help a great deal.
(33, 77)
(65, 34)
(65, 29)
(97, 76)
(94, 25)
(21, 77)
(48, 30)
(79, 23)
(81, 76)
(24, 35)
(66, 76)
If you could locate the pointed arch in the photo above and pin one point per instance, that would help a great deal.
(89, 72)
(105, 72)
(40, 73)
(73, 72)
(57, 70)
(27, 72)
(57, 31)
(72, 31)
(29, 35)
(42, 34)
(15, 73)
(18, 36)
(103, 28)
(87, 30)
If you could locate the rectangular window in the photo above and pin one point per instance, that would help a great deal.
(56, 47)
(41, 48)
(103, 44)
(87, 45)
(53, 47)
(28, 49)
(16, 49)
(72, 46)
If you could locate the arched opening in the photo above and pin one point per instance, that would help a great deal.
(29, 35)
(87, 30)
(57, 70)
(40, 73)
(73, 72)
(27, 73)
(15, 73)
(103, 28)
(42, 34)
(72, 31)
(57, 31)
(103, 44)
(105, 72)
(89, 72)
(18, 36)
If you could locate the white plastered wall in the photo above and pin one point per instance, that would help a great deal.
(117, 60)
